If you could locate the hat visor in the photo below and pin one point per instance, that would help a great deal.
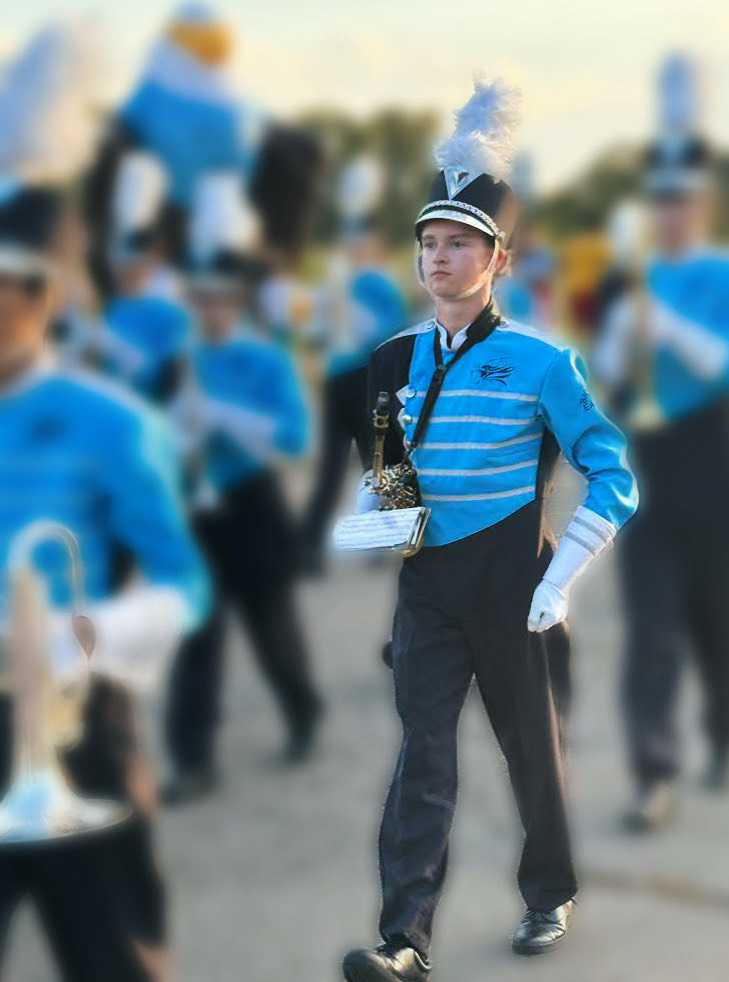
(23, 263)
(676, 182)
(210, 282)
(452, 215)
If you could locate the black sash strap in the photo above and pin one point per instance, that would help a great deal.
(478, 331)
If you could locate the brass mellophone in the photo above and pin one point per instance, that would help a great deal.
(40, 805)
(397, 485)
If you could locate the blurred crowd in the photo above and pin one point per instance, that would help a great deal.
(174, 323)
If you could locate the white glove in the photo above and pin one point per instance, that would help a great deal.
(366, 499)
(549, 607)
(700, 349)
(252, 430)
(137, 633)
(586, 536)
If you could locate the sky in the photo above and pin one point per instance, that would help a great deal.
(586, 69)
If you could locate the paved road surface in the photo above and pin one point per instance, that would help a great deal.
(275, 877)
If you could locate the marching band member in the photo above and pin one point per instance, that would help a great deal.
(242, 408)
(145, 326)
(675, 555)
(488, 594)
(76, 451)
(364, 307)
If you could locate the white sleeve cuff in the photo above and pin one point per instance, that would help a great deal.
(586, 536)
(137, 633)
(591, 530)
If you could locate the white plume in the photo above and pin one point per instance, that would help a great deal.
(680, 95)
(47, 97)
(138, 193)
(483, 139)
(222, 216)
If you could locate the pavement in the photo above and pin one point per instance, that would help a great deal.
(275, 877)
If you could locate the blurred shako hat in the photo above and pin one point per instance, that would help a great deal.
(29, 218)
(359, 195)
(470, 186)
(224, 235)
(680, 160)
(137, 201)
(199, 31)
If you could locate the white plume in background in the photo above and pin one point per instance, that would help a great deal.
(483, 139)
(47, 97)
(680, 95)
(222, 217)
(360, 188)
(139, 192)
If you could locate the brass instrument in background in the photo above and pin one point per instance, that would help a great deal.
(40, 805)
(629, 229)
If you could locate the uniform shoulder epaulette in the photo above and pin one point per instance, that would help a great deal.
(422, 328)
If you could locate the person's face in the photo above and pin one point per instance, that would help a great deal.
(454, 258)
(23, 317)
(131, 275)
(680, 221)
(216, 312)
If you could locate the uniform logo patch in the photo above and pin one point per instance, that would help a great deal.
(586, 402)
(47, 428)
(494, 372)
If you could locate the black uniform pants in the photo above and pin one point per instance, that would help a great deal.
(98, 894)
(250, 546)
(674, 561)
(344, 418)
(462, 613)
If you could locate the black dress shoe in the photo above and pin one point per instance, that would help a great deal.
(542, 930)
(186, 786)
(716, 776)
(302, 737)
(388, 963)
(653, 807)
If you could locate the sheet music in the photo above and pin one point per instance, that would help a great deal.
(378, 529)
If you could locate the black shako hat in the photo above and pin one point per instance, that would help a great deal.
(680, 159)
(678, 166)
(29, 218)
(470, 186)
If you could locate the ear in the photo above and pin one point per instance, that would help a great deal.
(503, 263)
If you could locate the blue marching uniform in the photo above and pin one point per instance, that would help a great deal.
(249, 540)
(511, 400)
(377, 310)
(159, 331)
(76, 451)
(674, 557)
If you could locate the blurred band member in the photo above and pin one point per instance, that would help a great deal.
(78, 452)
(365, 307)
(146, 327)
(242, 407)
(664, 352)
(487, 596)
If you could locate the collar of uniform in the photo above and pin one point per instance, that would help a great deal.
(483, 323)
(448, 343)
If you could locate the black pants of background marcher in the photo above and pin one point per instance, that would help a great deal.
(462, 613)
(674, 557)
(344, 419)
(249, 542)
(98, 894)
